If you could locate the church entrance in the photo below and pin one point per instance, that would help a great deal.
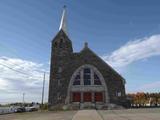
(87, 87)
(98, 97)
(87, 97)
(76, 97)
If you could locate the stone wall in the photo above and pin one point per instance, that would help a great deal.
(64, 65)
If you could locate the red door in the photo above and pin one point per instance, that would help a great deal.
(98, 97)
(76, 97)
(87, 97)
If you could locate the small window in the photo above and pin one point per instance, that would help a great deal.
(118, 94)
(77, 80)
(97, 80)
(55, 44)
(61, 43)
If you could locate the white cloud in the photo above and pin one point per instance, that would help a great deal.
(3, 84)
(13, 83)
(134, 51)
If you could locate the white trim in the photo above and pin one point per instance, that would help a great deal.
(91, 87)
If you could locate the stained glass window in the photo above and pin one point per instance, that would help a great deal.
(97, 80)
(87, 76)
(77, 80)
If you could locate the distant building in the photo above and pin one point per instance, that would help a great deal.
(79, 80)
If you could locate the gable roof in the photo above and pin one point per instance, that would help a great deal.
(88, 50)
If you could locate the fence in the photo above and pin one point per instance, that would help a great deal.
(6, 110)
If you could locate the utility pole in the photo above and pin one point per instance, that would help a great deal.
(43, 89)
(23, 98)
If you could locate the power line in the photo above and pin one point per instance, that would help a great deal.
(17, 70)
(42, 71)
(18, 65)
(13, 69)
(27, 75)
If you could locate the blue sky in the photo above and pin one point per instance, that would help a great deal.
(125, 33)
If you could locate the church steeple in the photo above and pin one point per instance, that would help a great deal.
(61, 44)
(63, 24)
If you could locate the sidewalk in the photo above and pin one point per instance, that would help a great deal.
(87, 115)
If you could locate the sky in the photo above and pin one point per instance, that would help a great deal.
(124, 33)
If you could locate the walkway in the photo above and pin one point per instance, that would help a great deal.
(87, 115)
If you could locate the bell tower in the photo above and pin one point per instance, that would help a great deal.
(60, 57)
(61, 44)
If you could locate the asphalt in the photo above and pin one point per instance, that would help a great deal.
(87, 115)
(125, 114)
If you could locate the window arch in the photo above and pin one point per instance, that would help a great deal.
(87, 76)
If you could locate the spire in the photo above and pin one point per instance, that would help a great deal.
(63, 23)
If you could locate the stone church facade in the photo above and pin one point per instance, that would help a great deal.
(81, 80)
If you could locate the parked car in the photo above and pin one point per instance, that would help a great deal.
(20, 109)
(30, 109)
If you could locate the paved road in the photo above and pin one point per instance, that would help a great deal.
(87, 115)
(131, 114)
(59, 115)
(127, 114)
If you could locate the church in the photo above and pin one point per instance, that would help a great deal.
(81, 80)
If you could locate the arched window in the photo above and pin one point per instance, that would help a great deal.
(118, 94)
(77, 79)
(55, 44)
(87, 84)
(87, 76)
(61, 43)
(97, 80)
